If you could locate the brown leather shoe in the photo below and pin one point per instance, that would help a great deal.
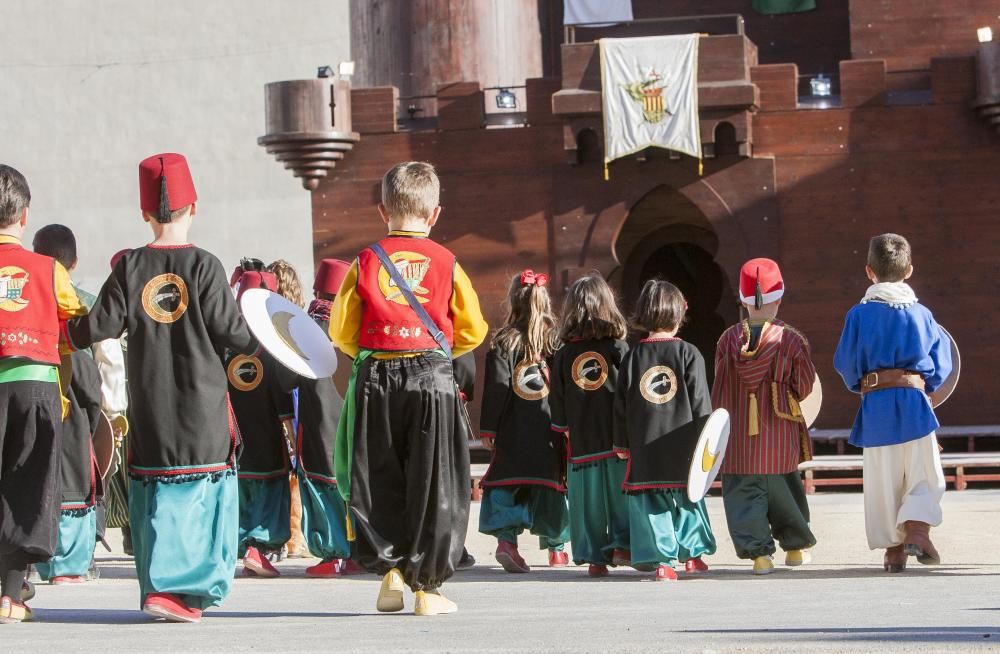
(895, 559)
(917, 542)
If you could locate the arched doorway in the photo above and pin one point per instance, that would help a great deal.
(666, 236)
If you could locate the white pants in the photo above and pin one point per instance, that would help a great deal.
(902, 482)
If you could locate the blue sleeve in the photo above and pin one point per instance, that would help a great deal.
(847, 358)
(940, 356)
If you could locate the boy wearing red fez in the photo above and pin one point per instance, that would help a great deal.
(763, 369)
(402, 457)
(893, 352)
(263, 412)
(324, 515)
(36, 297)
(174, 301)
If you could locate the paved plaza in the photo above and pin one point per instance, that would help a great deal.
(841, 602)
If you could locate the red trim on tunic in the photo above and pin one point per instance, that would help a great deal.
(155, 246)
(659, 339)
(523, 482)
(168, 472)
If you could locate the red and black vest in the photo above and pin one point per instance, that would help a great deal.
(29, 319)
(387, 320)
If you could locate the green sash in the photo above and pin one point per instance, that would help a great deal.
(343, 451)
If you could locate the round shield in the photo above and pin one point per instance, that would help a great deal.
(288, 334)
(104, 445)
(947, 387)
(810, 404)
(708, 455)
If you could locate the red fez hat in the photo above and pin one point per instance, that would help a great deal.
(760, 283)
(165, 185)
(330, 275)
(257, 279)
(117, 256)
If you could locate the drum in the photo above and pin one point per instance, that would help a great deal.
(947, 387)
(810, 405)
(708, 454)
(289, 334)
(104, 445)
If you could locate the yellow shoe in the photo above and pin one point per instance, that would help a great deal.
(762, 565)
(432, 602)
(12, 612)
(795, 558)
(390, 595)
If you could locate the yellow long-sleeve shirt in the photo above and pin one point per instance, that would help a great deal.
(470, 328)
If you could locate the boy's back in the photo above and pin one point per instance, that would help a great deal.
(180, 316)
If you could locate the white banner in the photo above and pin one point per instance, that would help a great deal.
(650, 94)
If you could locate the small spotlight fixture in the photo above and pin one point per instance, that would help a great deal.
(345, 68)
(506, 99)
(324, 71)
(984, 34)
(821, 86)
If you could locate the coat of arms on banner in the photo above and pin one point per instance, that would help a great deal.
(649, 92)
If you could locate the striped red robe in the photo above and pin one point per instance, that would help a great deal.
(760, 388)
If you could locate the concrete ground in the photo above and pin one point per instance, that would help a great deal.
(841, 602)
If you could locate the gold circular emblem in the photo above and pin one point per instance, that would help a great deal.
(245, 373)
(590, 371)
(12, 283)
(529, 382)
(658, 385)
(165, 298)
(412, 268)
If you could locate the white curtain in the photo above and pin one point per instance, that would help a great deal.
(576, 12)
(650, 94)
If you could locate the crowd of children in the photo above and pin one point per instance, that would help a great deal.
(590, 431)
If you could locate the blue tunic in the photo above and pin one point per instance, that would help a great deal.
(881, 336)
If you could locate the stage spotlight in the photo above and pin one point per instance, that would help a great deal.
(346, 68)
(324, 71)
(985, 34)
(821, 86)
(506, 99)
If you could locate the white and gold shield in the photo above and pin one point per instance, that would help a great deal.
(947, 387)
(708, 454)
(288, 333)
(104, 445)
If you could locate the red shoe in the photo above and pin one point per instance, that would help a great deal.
(256, 565)
(694, 566)
(621, 557)
(325, 570)
(597, 570)
(558, 559)
(349, 567)
(66, 579)
(665, 573)
(170, 608)
(509, 558)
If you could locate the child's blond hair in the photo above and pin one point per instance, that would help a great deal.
(411, 190)
(289, 285)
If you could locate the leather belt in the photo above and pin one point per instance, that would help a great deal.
(880, 380)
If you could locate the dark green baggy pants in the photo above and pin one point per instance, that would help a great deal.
(761, 509)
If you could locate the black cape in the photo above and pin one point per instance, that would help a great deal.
(515, 411)
(79, 478)
(260, 404)
(584, 378)
(661, 405)
(181, 316)
(320, 405)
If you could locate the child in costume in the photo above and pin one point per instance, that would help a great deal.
(35, 298)
(80, 480)
(584, 378)
(402, 458)
(290, 288)
(262, 411)
(175, 303)
(661, 404)
(762, 370)
(894, 353)
(324, 513)
(524, 485)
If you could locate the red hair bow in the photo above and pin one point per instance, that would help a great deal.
(529, 278)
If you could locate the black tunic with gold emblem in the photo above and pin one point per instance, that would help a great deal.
(260, 404)
(515, 413)
(584, 377)
(661, 404)
(181, 316)
(79, 478)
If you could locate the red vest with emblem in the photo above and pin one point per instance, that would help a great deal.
(29, 320)
(387, 320)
